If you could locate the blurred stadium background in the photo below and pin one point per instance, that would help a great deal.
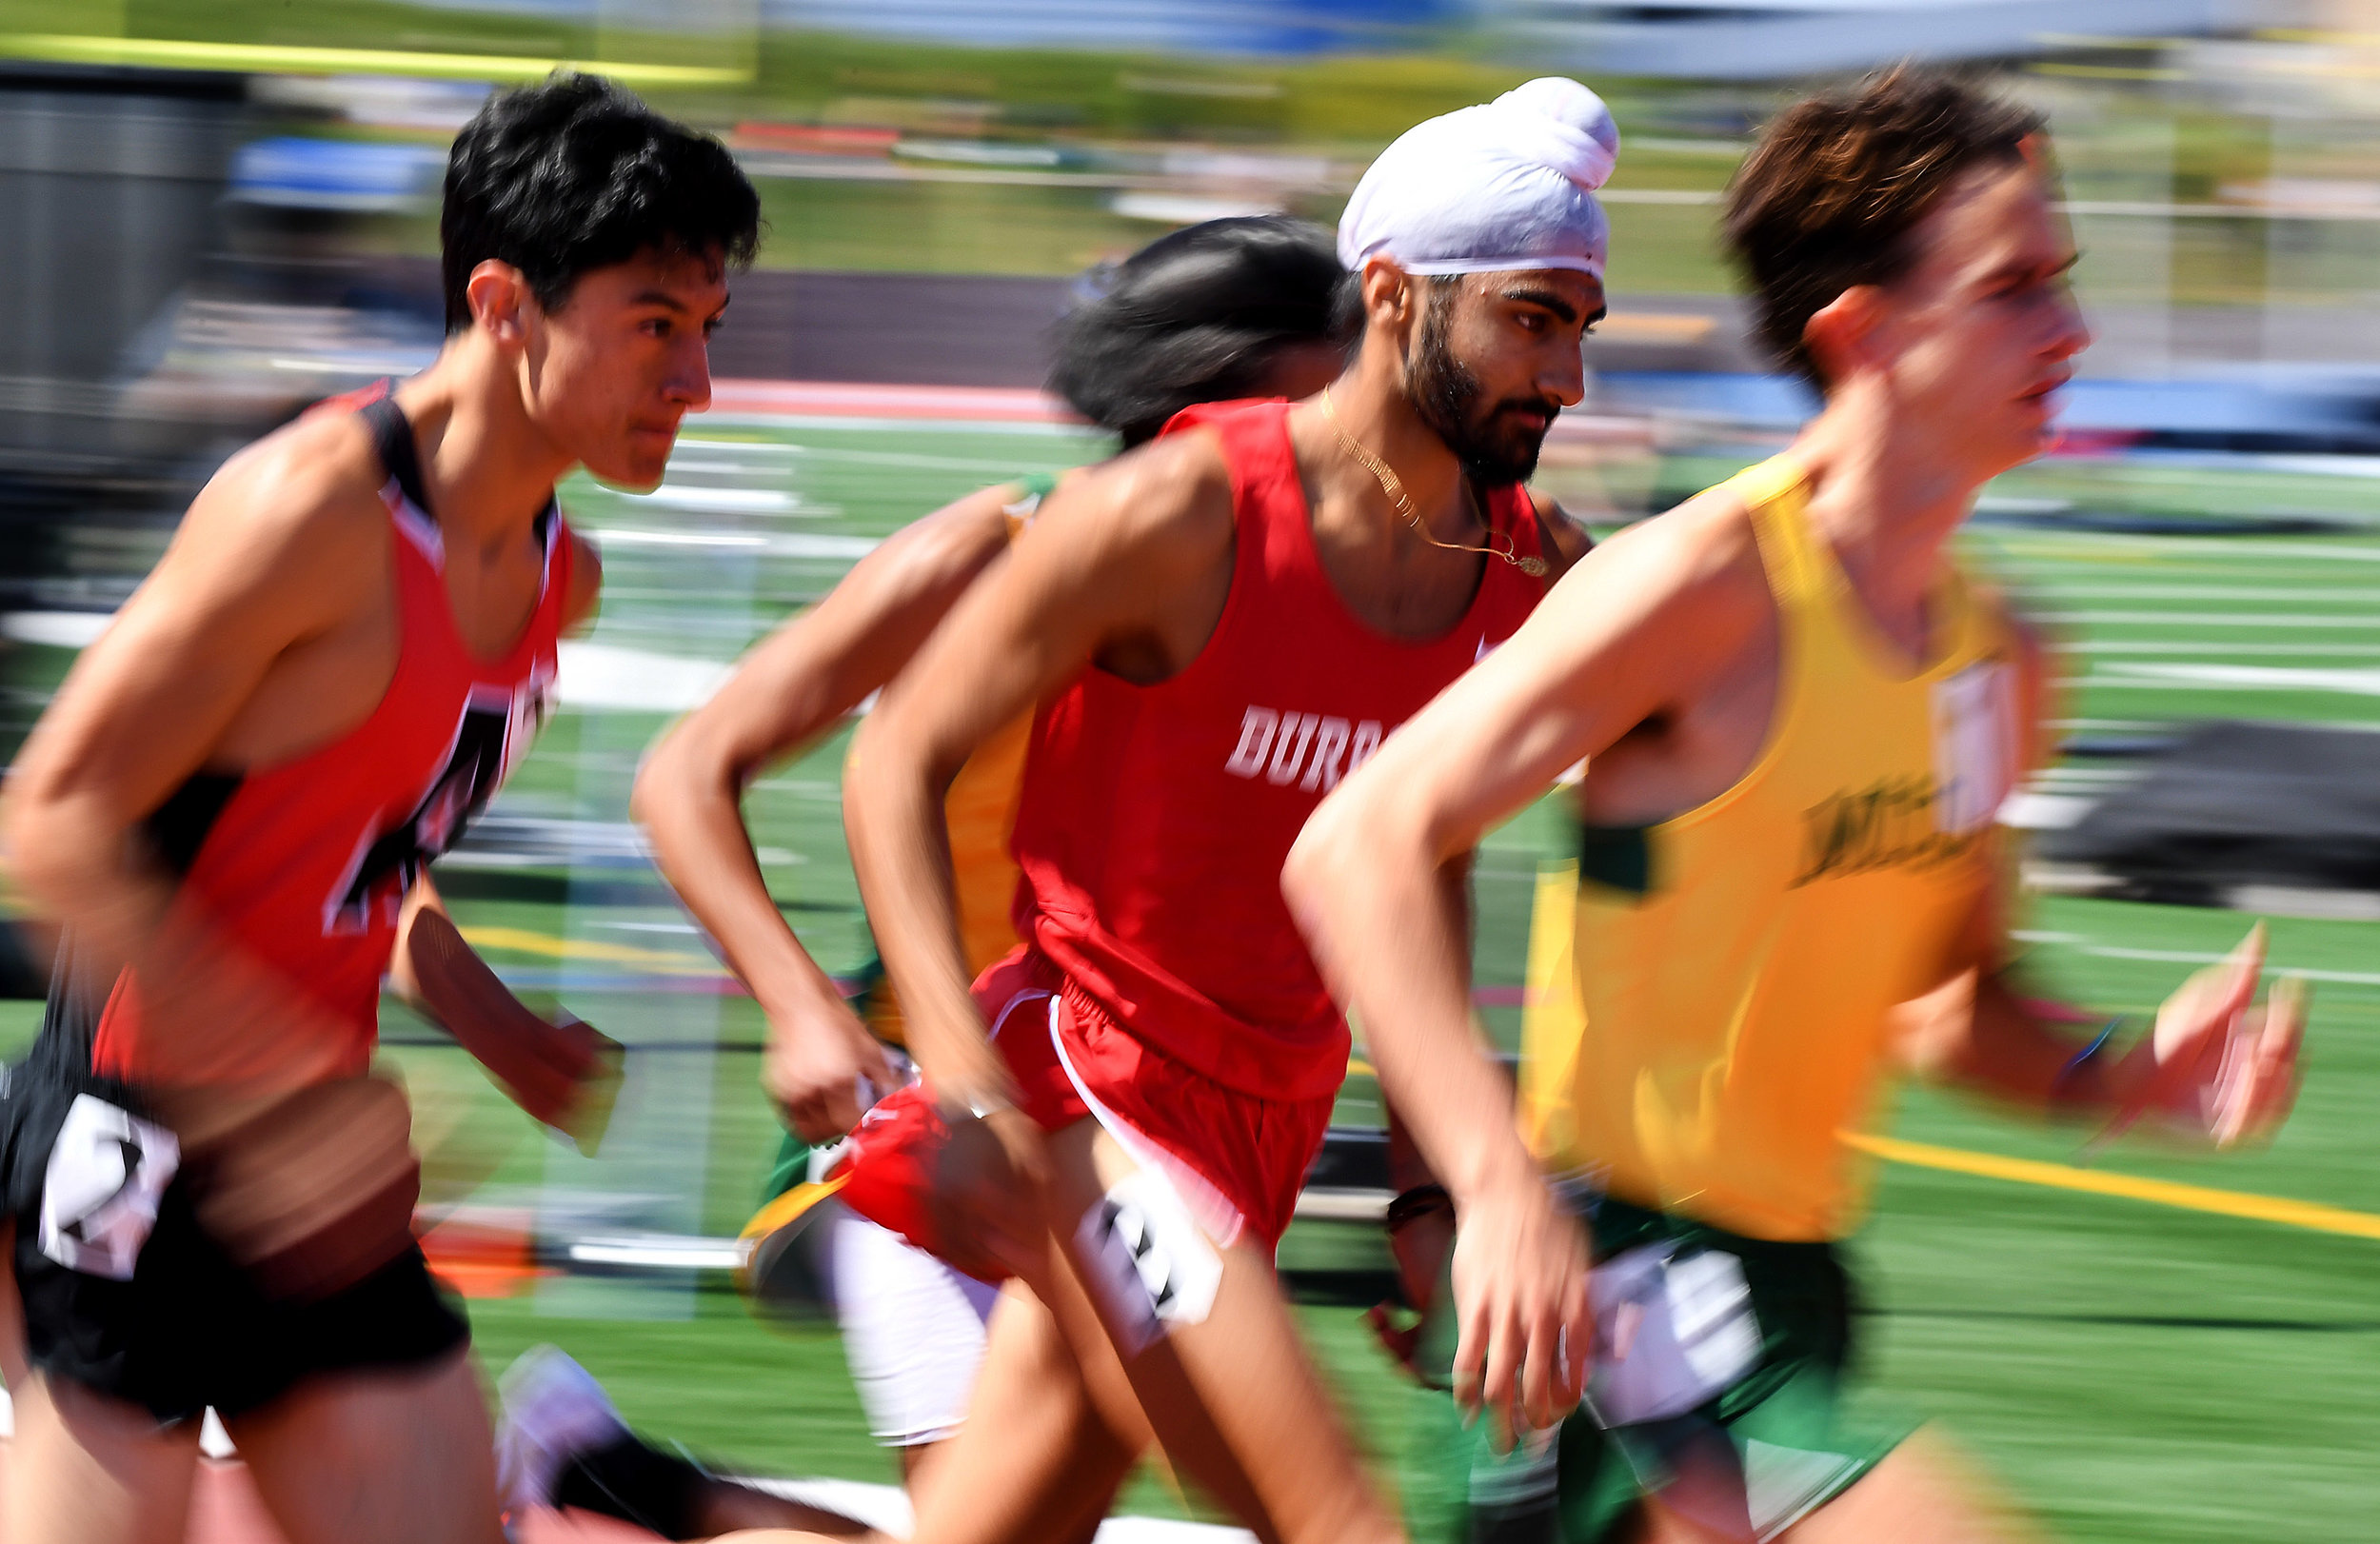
(213, 211)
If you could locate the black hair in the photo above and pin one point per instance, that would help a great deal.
(1195, 316)
(574, 173)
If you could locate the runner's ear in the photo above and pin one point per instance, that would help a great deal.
(1391, 299)
(1841, 336)
(500, 298)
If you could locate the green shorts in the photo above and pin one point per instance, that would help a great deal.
(1771, 1447)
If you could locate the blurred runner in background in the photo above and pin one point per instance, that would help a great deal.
(231, 805)
(1231, 308)
(1216, 629)
(1799, 716)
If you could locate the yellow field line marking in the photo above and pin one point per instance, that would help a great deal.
(520, 940)
(313, 61)
(2131, 1187)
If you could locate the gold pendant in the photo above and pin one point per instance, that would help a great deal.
(1536, 567)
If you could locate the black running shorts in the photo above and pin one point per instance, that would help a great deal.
(127, 1296)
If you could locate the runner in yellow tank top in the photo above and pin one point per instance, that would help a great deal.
(1798, 720)
(1712, 1036)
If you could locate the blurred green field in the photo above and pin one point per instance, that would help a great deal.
(2130, 1372)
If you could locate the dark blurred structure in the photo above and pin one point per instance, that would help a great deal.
(296, 301)
(2229, 814)
(178, 274)
(110, 181)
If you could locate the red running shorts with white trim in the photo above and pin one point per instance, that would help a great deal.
(1237, 1160)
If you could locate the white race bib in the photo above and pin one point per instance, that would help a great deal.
(108, 1172)
(1671, 1333)
(1975, 746)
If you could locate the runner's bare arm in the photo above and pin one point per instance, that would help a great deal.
(558, 1072)
(282, 546)
(1638, 625)
(2216, 1062)
(794, 686)
(1128, 566)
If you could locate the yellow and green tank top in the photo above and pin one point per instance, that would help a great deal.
(981, 810)
(1711, 993)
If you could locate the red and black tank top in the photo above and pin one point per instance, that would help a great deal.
(1155, 820)
(305, 863)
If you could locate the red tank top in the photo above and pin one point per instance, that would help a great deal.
(1155, 820)
(305, 862)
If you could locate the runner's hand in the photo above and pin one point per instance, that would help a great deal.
(602, 1064)
(2219, 1067)
(542, 1064)
(818, 1058)
(1520, 1303)
(987, 1199)
(561, 1071)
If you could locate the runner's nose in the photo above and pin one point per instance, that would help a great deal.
(1566, 379)
(690, 376)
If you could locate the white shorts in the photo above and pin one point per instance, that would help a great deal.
(912, 1330)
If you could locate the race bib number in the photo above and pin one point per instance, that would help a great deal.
(1975, 746)
(99, 1196)
(1149, 1263)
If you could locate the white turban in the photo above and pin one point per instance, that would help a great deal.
(1507, 185)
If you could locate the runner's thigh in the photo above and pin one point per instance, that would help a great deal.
(912, 1330)
(1923, 1490)
(14, 1365)
(1035, 1462)
(1210, 1345)
(85, 1468)
(405, 1457)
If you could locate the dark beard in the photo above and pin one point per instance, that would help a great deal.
(1495, 450)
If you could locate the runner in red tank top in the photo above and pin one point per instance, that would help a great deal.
(1217, 627)
(1156, 817)
(249, 848)
(231, 807)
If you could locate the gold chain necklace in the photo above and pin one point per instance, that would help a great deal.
(1393, 486)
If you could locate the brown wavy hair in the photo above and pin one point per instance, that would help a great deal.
(1830, 197)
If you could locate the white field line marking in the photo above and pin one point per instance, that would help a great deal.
(2228, 650)
(1007, 469)
(2246, 677)
(2050, 573)
(2208, 618)
(2211, 550)
(606, 675)
(2055, 591)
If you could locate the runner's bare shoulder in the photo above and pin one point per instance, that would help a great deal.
(1701, 553)
(292, 525)
(1162, 510)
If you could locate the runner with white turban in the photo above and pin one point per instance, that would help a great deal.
(1264, 582)
(1525, 167)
